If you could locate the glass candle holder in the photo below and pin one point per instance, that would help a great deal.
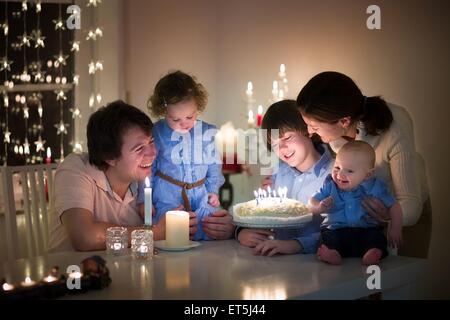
(142, 244)
(116, 240)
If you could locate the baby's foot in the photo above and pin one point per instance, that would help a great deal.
(327, 255)
(372, 256)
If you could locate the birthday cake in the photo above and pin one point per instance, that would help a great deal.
(271, 212)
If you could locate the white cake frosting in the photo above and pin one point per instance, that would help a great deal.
(270, 211)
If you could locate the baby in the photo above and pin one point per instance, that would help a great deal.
(348, 230)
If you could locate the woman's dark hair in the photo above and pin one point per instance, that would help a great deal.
(330, 96)
(173, 88)
(106, 127)
(284, 116)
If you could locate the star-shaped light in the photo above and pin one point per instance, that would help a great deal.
(26, 113)
(94, 3)
(26, 147)
(39, 39)
(38, 76)
(5, 28)
(59, 24)
(39, 144)
(24, 40)
(5, 64)
(7, 137)
(24, 5)
(99, 32)
(62, 127)
(38, 6)
(75, 46)
(5, 100)
(61, 58)
(91, 35)
(60, 95)
(98, 66)
(76, 113)
(91, 66)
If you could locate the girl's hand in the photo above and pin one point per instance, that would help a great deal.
(267, 182)
(252, 237)
(213, 199)
(376, 209)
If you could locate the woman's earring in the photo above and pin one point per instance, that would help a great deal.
(165, 103)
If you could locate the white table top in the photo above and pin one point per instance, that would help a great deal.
(224, 270)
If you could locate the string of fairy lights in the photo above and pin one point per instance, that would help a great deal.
(34, 77)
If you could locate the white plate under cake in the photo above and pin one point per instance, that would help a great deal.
(271, 212)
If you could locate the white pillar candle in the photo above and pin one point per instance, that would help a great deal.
(177, 229)
(147, 202)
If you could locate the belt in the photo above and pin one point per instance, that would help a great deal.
(184, 186)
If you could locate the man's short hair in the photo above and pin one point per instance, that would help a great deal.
(106, 127)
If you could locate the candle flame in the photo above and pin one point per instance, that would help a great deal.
(147, 182)
(7, 287)
(260, 109)
(49, 152)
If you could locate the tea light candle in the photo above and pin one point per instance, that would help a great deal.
(177, 229)
(28, 282)
(142, 243)
(50, 279)
(147, 202)
(7, 287)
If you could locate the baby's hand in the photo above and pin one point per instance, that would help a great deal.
(213, 199)
(326, 204)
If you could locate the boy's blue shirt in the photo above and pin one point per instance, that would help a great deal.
(186, 158)
(348, 210)
(301, 186)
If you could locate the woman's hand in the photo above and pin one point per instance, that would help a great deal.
(376, 209)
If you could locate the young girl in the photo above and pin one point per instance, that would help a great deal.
(187, 169)
(302, 170)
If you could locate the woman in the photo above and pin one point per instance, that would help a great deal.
(335, 108)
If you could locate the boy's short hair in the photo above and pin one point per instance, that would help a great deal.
(284, 116)
(173, 88)
(361, 147)
(106, 127)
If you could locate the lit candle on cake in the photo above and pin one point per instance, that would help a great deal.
(259, 116)
(256, 195)
(147, 202)
(177, 229)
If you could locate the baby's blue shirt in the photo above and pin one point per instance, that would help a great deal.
(348, 210)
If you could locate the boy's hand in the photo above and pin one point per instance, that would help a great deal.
(213, 199)
(326, 204)
(272, 247)
(252, 237)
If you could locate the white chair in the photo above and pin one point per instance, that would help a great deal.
(36, 184)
